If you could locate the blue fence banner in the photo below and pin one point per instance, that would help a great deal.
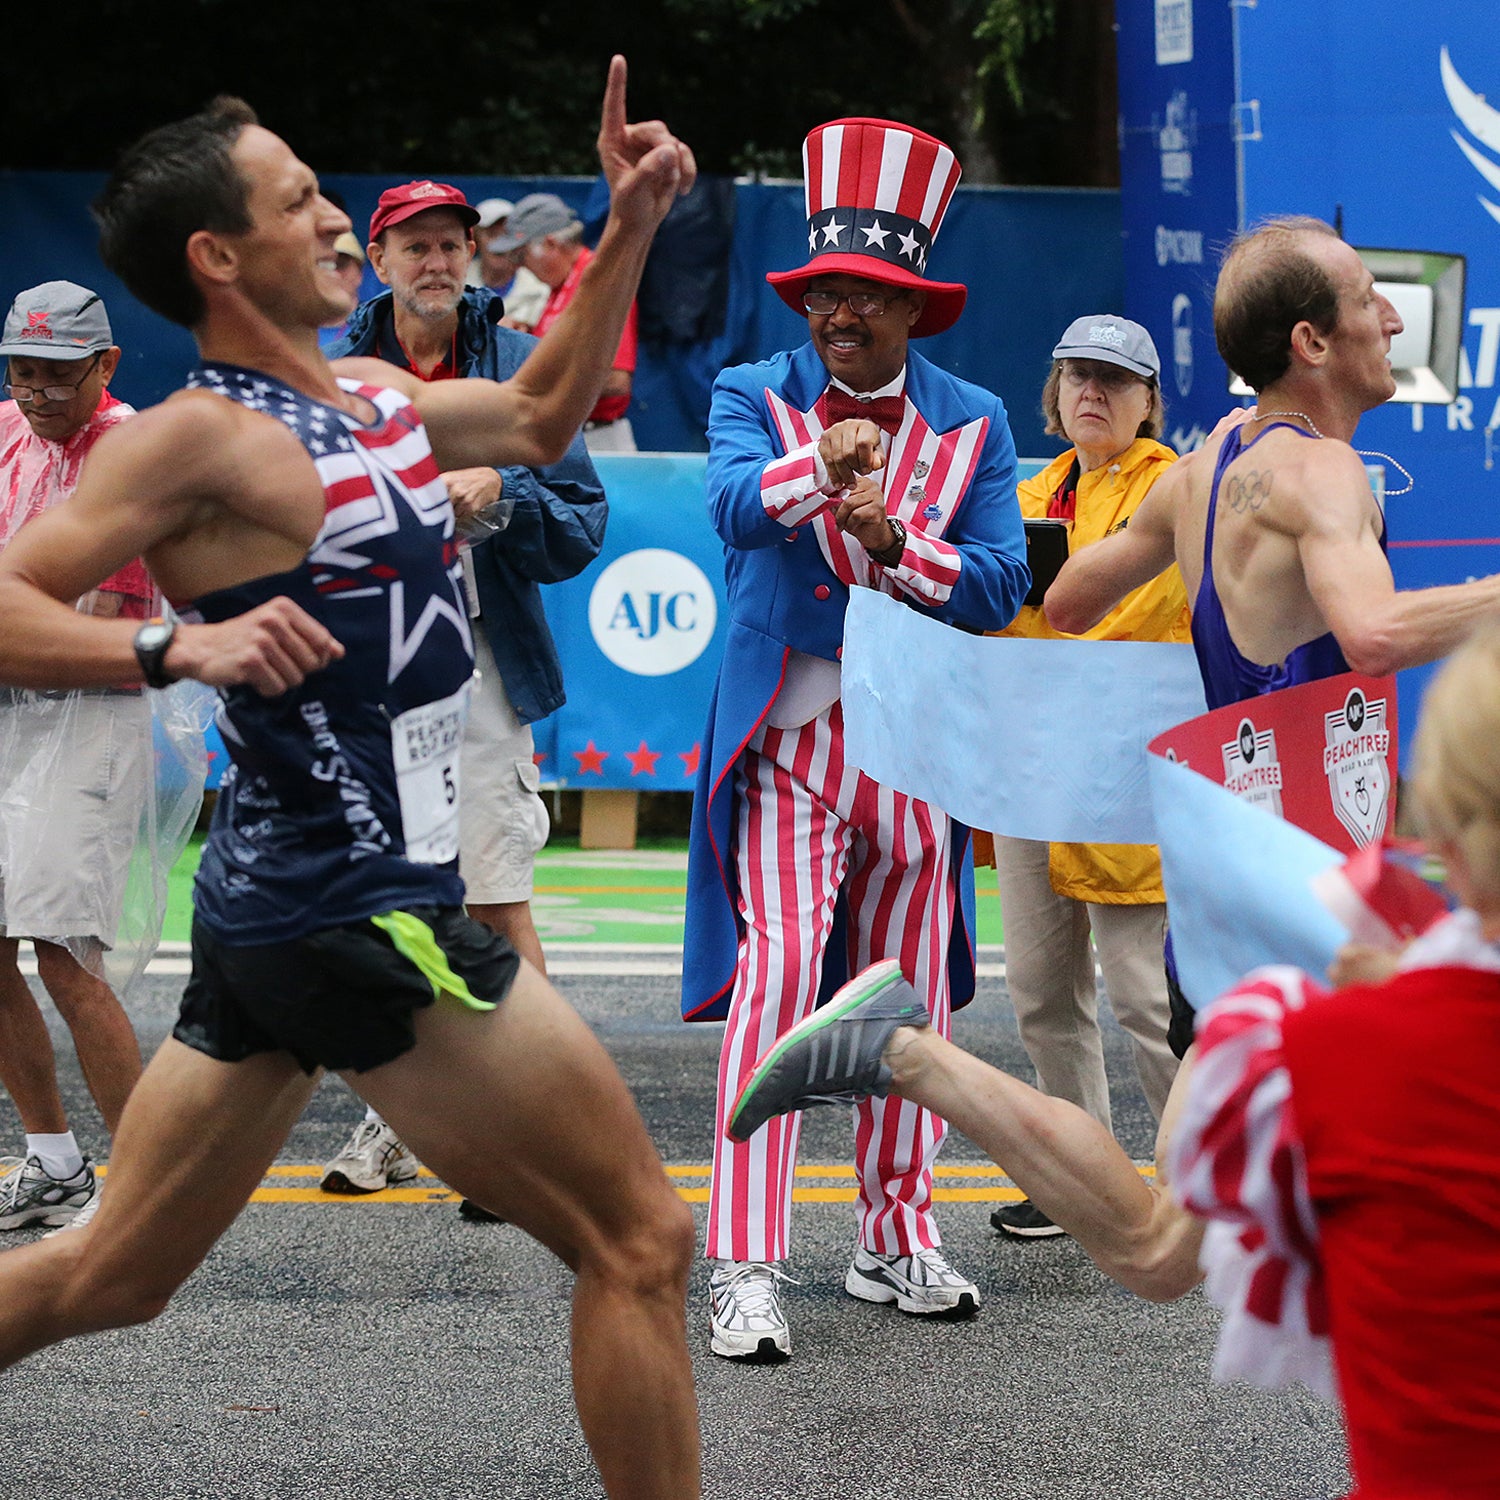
(1033, 258)
(639, 633)
(1034, 739)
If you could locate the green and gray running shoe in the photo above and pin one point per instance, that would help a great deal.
(29, 1195)
(832, 1057)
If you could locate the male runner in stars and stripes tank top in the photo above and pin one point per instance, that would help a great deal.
(299, 509)
(342, 799)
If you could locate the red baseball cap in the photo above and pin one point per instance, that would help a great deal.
(412, 198)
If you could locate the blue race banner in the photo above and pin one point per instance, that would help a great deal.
(1178, 193)
(638, 633)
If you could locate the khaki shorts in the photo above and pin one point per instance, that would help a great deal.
(74, 773)
(502, 818)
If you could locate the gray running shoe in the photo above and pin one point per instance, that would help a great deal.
(373, 1159)
(922, 1283)
(747, 1322)
(82, 1219)
(833, 1057)
(29, 1195)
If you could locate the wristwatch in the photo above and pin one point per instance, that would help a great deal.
(889, 557)
(152, 641)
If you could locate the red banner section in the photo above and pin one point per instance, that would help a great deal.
(1322, 755)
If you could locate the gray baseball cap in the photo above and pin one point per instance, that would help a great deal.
(1113, 341)
(535, 217)
(57, 320)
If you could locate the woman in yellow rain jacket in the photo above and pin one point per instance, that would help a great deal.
(1103, 395)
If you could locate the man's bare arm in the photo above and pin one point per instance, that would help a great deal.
(1379, 628)
(531, 418)
(144, 483)
(1095, 578)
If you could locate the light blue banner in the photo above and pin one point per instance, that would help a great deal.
(1034, 739)
(1238, 885)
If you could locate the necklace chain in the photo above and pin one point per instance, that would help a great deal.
(1363, 452)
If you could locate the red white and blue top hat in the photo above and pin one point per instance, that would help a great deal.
(876, 195)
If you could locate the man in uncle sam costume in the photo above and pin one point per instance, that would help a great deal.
(848, 463)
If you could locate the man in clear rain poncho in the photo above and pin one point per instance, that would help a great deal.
(86, 834)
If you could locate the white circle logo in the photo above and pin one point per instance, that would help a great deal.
(653, 612)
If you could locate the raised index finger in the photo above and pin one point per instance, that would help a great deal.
(612, 118)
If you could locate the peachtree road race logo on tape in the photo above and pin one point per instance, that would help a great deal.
(1252, 770)
(1354, 757)
(653, 612)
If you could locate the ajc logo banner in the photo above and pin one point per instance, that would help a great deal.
(638, 634)
(653, 612)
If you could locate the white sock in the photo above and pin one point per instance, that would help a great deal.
(373, 1115)
(58, 1154)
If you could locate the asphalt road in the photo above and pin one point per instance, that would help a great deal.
(393, 1351)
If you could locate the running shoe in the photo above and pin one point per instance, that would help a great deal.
(833, 1057)
(1025, 1221)
(747, 1321)
(81, 1220)
(30, 1195)
(922, 1283)
(477, 1213)
(373, 1159)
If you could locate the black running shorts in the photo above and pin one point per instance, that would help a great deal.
(342, 998)
(1183, 1018)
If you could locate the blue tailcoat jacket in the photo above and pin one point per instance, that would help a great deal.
(784, 596)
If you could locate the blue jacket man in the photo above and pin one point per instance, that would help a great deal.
(555, 530)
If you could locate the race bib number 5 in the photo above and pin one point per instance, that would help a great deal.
(425, 744)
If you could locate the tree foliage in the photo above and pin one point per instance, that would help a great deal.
(1023, 89)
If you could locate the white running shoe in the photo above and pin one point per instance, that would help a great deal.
(373, 1159)
(29, 1195)
(922, 1283)
(747, 1320)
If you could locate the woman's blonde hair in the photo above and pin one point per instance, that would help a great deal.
(1456, 760)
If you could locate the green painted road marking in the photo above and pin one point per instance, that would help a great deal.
(621, 897)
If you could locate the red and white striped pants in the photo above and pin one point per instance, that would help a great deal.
(809, 826)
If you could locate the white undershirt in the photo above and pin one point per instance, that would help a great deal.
(812, 683)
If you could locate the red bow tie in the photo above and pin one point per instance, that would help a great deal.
(886, 412)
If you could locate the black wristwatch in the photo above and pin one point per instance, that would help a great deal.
(152, 641)
(889, 557)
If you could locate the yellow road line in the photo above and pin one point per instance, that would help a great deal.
(996, 1187)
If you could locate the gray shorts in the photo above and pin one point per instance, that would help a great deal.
(502, 818)
(75, 770)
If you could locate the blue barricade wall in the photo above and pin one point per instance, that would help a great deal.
(638, 632)
(1033, 258)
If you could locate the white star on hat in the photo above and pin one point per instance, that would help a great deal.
(908, 244)
(876, 234)
(832, 230)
